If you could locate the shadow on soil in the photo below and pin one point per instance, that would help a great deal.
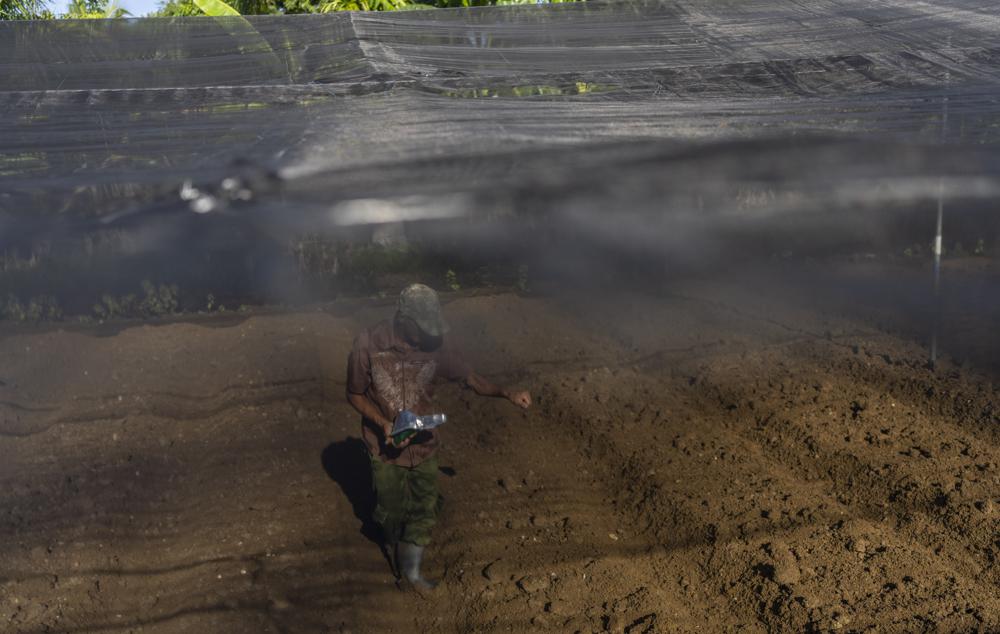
(347, 463)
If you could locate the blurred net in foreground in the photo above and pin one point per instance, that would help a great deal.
(688, 131)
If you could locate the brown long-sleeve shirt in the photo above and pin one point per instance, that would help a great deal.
(396, 376)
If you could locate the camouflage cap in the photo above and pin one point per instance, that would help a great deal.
(420, 303)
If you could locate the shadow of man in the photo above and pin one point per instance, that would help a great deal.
(346, 462)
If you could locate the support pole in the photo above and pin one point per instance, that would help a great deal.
(938, 236)
(937, 274)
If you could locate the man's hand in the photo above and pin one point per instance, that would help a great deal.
(390, 440)
(521, 399)
(484, 387)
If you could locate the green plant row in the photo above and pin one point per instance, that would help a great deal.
(155, 301)
(36, 309)
(326, 269)
(959, 251)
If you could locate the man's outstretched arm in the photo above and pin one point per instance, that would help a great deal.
(485, 387)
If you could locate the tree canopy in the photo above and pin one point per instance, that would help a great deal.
(41, 9)
(258, 7)
(24, 10)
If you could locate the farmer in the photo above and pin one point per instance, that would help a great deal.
(390, 369)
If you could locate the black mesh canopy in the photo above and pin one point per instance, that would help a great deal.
(661, 108)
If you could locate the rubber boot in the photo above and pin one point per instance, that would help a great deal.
(408, 558)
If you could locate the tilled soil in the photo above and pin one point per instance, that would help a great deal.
(715, 458)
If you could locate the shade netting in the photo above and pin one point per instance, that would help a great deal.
(626, 121)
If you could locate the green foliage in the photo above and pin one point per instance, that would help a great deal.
(159, 300)
(112, 307)
(484, 3)
(364, 5)
(219, 8)
(178, 9)
(24, 10)
(375, 259)
(156, 301)
(261, 7)
(212, 305)
(451, 281)
(372, 267)
(317, 255)
(40, 308)
(980, 248)
(567, 89)
(101, 9)
(215, 8)
(94, 10)
(300, 6)
(77, 10)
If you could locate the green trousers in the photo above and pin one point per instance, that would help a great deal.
(407, 500)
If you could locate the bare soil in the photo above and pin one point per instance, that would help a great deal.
(719, 457)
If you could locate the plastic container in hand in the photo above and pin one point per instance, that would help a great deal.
(407, 423)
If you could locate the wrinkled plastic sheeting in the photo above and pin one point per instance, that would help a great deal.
(664, 109)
